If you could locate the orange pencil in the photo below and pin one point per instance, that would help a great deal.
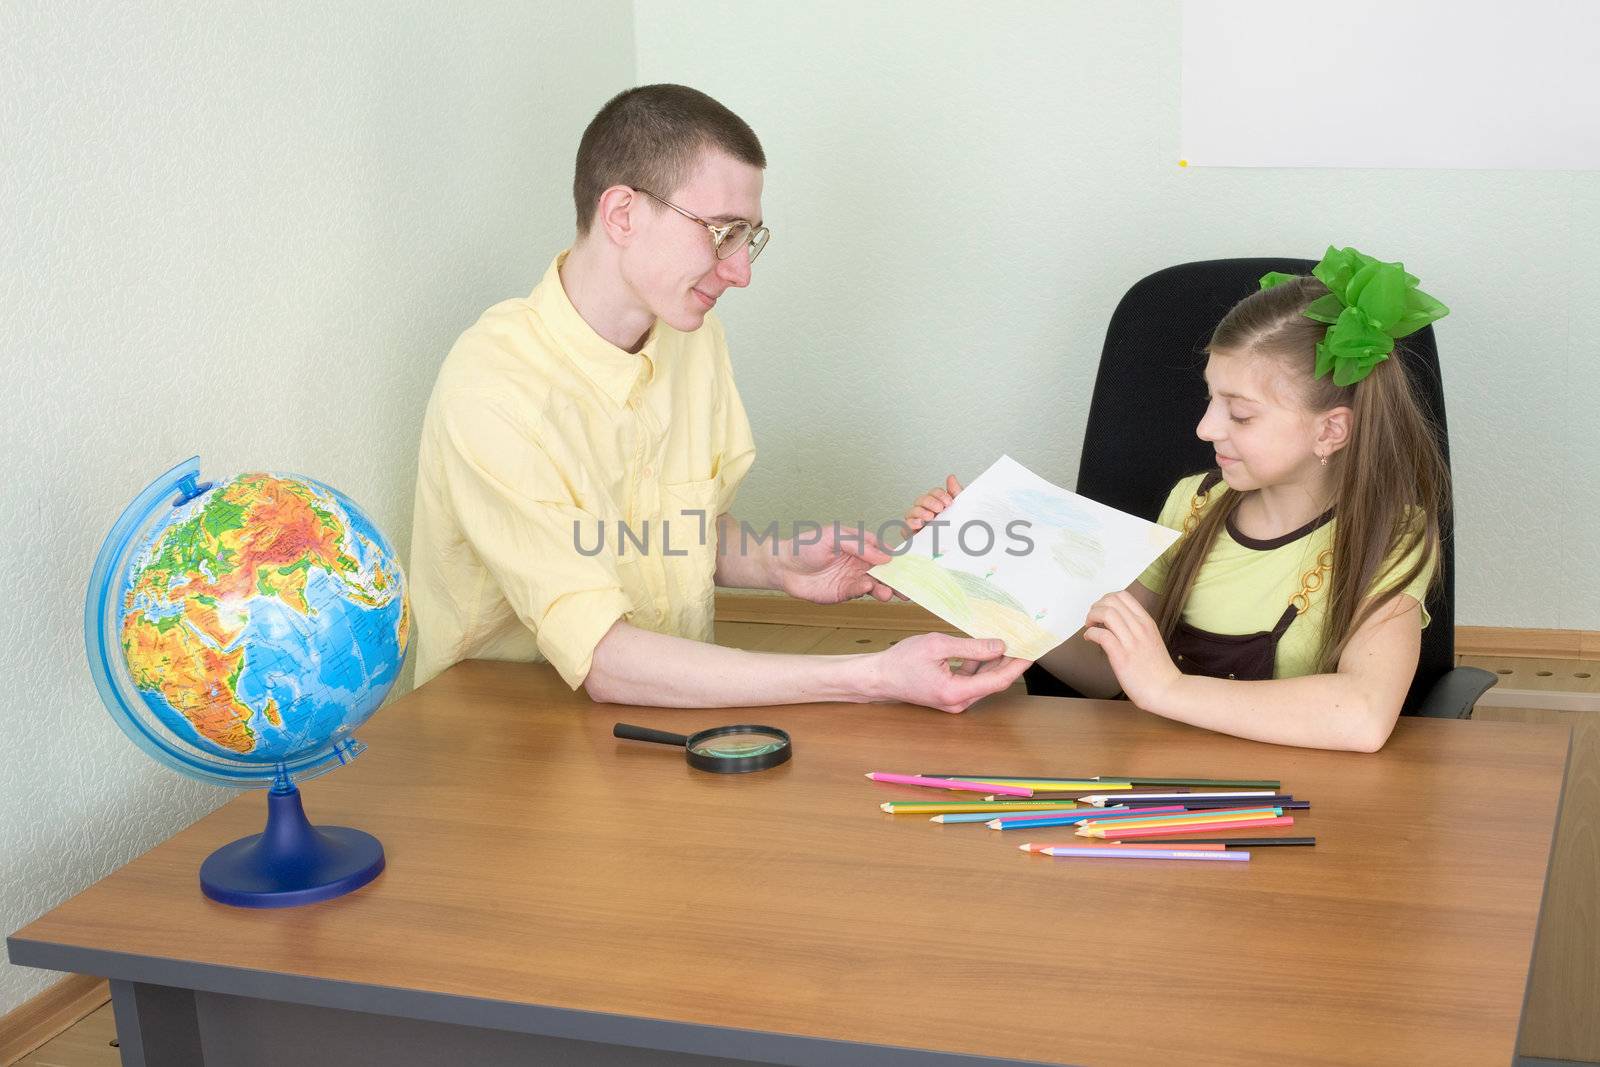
(1131, 818)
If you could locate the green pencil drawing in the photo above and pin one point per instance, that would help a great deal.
(969, 602)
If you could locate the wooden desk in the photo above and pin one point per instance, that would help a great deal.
(552, 891)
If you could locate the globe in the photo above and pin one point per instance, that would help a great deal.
(239, 631)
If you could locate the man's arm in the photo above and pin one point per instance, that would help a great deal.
(636, 666)
(745, 559)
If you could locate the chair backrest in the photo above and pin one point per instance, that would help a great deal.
(1149, 395)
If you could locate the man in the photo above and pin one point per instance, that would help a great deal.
(582, 448)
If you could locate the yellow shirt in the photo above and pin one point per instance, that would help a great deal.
(540, 438)
(1245, 584)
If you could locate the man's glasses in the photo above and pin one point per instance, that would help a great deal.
(727, 239)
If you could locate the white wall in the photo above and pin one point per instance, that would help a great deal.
(251, 234)
(960, 193)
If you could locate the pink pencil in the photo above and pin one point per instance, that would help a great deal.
(951, 783)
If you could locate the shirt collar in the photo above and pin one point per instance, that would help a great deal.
(611, 369)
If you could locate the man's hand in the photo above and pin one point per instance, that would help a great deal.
(833, 568)
(917, 670)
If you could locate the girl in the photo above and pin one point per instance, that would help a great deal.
(1290, 610)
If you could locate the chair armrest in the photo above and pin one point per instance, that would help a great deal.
(1454, 694)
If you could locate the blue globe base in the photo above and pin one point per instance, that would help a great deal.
(291, 862)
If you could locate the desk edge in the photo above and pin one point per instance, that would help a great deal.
(571, 1023)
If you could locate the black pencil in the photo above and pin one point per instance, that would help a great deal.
(1223, 802)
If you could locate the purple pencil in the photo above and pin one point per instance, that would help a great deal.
(1129, 853)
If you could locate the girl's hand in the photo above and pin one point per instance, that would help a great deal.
(1127, 634)
(931, 503)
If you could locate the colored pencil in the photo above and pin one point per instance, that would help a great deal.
(979, 816)
(1204, 783)
(964, 776)
(1060, 787)
(1120, 832)
(1048, 785)
(985, 816)
(1097, 814)
(1145, 854)
(1195, 845)
(1103, 813)
(1098, 799)
(1242, 842)
(949, 783)
(978, 802)
(1069, 818)
(1012, 824)
(1215, 783)
(1145, 818)
(1193, 801)
(935, 807)
(1201, 809)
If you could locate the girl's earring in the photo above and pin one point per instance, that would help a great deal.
(1324, 460)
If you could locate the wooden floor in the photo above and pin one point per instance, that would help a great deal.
(91, 1042)
(1553, 1024)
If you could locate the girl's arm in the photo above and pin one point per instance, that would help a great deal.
(1354, 708)
(1083, 665)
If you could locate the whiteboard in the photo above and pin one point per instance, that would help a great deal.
(1391, 83)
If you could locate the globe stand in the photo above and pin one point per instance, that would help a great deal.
(291, 862)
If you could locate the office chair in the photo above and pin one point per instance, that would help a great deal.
(1149, 396)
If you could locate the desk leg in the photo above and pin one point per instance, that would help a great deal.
(156, 1025)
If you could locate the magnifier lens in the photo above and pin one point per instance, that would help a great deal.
(738, 746)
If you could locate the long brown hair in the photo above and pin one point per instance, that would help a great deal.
(1391, 484)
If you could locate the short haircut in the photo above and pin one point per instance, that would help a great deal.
(650, 138)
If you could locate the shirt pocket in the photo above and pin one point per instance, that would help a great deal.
(689, 550)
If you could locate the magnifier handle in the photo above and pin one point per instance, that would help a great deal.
(643, 733)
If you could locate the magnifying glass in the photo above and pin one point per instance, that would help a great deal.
(721, 749)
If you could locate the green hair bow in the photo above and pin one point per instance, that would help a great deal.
(1370, 304)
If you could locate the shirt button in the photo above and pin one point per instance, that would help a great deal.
(649, 472)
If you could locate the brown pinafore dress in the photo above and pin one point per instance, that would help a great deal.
(1244, 657)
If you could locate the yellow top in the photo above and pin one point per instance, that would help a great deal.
(563, 483)
(1245, 584)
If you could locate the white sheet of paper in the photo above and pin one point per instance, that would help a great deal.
(1022, 560)
(1391, 83)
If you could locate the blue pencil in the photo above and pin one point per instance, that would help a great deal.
(1066, 819)
(989, 816)
(983, 816)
